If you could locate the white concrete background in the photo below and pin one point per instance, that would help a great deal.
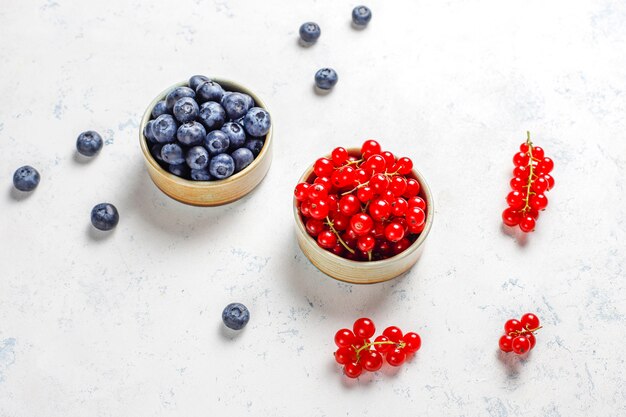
(129, 324)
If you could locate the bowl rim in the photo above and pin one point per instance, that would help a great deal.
(425, 188)
(147, 115)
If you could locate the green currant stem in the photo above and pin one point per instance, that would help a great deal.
(332, 229)
(530, 173)
(366, 346)
(356, 161)
(524, 331)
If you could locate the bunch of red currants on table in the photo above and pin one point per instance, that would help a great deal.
(362, 207)
(519, 335)
(356, 352)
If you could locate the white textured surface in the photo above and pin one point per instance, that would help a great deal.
(129, 324)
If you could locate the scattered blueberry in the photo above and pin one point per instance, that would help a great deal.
(326, 78)
(257, 122)
(176, 94)
(236, 135)
(235, 105)
(180, 170)
(200, 175)
(242, 157)
(186, 110)
(221, 166)
(255, 145)
(173, 154)
(190, 134)
(310, 33)
(104, 216)
(216, 142)
(197, 158)
(159, 109)
(212, 115)
(89, 143)
(148, 133)
(196, 80)
(209, 91)
(164, 128)
(26, 178)
(361, 15)
(235, 316)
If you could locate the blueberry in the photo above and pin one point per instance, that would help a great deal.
(255, 145)
(148, 132)
(186, 109)
(216, 142)
(222, 166)
(200, 175)
(176, 94)
(164, 128)
(190, 134)
(212, 115)
(155, 151)
(235, 105)
(242, 157)
(26, 178)
(159, 109)
(309, 33)
(173, 154)
(197, 158)
(235, 316)
(326, 78)
(196, 80)
(89, 143)
(104, 216)
(257, 122)
(361, 15)
(249, 101)
(209, 91)
(236, 135)
(180, 170)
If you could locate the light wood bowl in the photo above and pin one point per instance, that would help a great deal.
(208, 193)
(356, 272)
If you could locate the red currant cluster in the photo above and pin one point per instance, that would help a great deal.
(357, 353)
(362, 207)
(519, 335)
(531, 179)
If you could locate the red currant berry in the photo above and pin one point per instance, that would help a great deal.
(524, 147)
(522, 172)
(364, 328)
(361, 342)
(394, 232)
(505, 343)
(412, 188)
(338, 249)
(361, 224)
(341, 222)
(390, 159)
(401, 246)
(512, 326)
(383, 347)
(393, 333)
(369, 148)
(531, 338)
(361, 176)
(317, 191)
(353, 369)
(396, 357)
(403, 166)
(327, 239)
(342, 177)
(333, 204)
(349, 205)
(527, 224)
(520, 345)
(314, 227)
(397, 186)
(399, 207)
(538, 202)
(538, 152)
(539, 185)
(304, 208)
(413, 342)
(379, 230)
(339, 156)
(344, 338)
(366, 243)
(375, 164)
(550, 180)
(319, 208)
(511, 217)
(323, 167)
(372, 360)
(300, 191)
(379, 209)
(385, 248)
(379, 183)
(365, 194)
(515, 199)
(345, 355)
(521, 159)
(529, 321)
(517, 184)
(545, 166)
(417, 202)
(415, 217)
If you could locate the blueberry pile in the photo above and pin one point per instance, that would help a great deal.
(202, 132)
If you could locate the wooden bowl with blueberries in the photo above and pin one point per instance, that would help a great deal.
(206, 142)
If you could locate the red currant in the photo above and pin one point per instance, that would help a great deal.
(412, 188)
(529, 321)
(413, 342)
(545, 166)
(538, 202)
(505, 343)
(375, 164)
(511, 217)
(524, 147)
(366, 243)
(396, 357)
(379, 209)
(365, 194)
(339, 156)
(403, 166)
(379, 183)
(417, 202)
(398, 186)
(538, 152)
(517, 183)
(364, 328)
(327, 239)
(390, 159)
(349, 205)
(393, 333)
(515, 199)
(304, 208)
(539, 185)
(399, 207)
(314, 227)
(527, 224)
(342, 177)
(372, 360)
(369, 148)
(361, 224)
(361, 176)
(319, 208)
(344, 338)
(531, 338)
(317, 191)
(323, 167)
(345, 355)
(512, 326)
(520, 345)
(415, 217)
(521, 159)
(353, 369)
(394, 232)
(550, 181)
(401, 246)
(382, 347)
(300, 191)
(522, 172)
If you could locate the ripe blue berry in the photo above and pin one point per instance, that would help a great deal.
(180, 170)
(164, 128)
(361, 16)
(176, 94)
(197, 158)
(255, 145)
(221, 166)
(235, 316)
(196, 80)
(310, 33)
(186, 109)
(242, 157)
(173, 154)
(89, 143)
(235, 105)
(200, 175)
(148, 133)
(191, 134)
(216, 142)
(26, 178)
(257, 122)
(212, 115)
(104, 216)
(236, 135)
(209, 91)
(326, 78)
(159, 109)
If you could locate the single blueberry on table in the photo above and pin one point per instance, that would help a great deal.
(242, 157)
(326, 78)
(89, 143)
(176, 94)
(255, 145)
(164, 128)
(221, 166)
(26, 178)
(200, 175)
(235, 105)
(236, 135)
(216, 142)
(361, 15)
(104, 216)
(197, 158)
(310, 33)
(148, 133)
(235, 316)
(173, 154)
(257, 122)
(212, 115)
(186, 109)
(159, 109)
(196, 80)
(209, 91)
(190, 134)
(180, 170)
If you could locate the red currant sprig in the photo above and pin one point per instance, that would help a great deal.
(363, 207)
(356, 352)
(519, 335)
(531, 180)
